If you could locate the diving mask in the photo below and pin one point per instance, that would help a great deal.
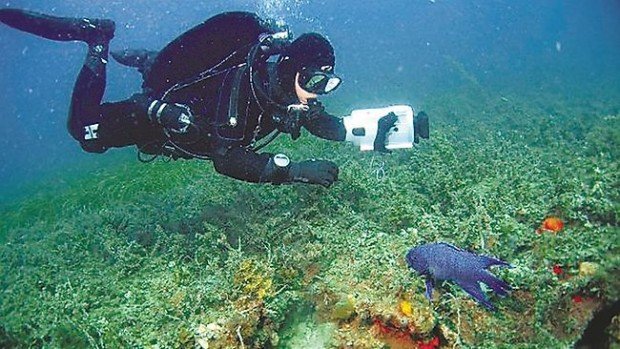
(318, 81)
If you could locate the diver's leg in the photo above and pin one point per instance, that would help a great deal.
(84, 113)
(58, 28)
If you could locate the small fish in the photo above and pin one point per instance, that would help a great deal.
(442, 261)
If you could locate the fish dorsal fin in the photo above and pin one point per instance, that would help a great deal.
(453, 247)
(490, 261)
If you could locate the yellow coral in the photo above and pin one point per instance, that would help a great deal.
(406, 307)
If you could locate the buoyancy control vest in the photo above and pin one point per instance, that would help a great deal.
(228, 99)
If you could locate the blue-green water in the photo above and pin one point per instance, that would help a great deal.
(524, 99)
(387, 52)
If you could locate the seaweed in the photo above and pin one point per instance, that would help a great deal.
(172, 255)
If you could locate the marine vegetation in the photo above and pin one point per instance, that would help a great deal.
(172, 255)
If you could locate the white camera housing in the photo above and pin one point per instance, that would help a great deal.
(362, 126)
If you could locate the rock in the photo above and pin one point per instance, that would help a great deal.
(202, 343)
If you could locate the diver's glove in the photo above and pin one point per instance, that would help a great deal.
(315, 109)
(174, 117)
(384, 126)
(281, 170)
(313, 171)
(420, 127)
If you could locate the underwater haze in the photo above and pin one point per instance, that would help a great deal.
(100, 250)
(413, 48)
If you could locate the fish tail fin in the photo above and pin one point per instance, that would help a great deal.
(474, 290)
(490, 261)
(498, 286)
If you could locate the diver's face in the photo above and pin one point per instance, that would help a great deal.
(302, 94)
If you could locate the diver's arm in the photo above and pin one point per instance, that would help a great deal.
(324, 125)
(243, 164)
(249, 166)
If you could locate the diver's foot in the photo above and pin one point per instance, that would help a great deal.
(420, 127)
(91, 31)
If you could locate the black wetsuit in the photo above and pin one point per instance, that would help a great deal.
(228, 97)
(231, 110)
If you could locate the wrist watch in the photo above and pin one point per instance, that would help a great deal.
(281, 161)
(279, 168)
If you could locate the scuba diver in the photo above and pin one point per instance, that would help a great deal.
(220, 91)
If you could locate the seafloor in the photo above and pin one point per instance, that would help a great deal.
(173, 255)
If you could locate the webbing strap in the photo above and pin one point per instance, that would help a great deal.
(233, 103)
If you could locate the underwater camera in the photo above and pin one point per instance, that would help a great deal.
(362, 127)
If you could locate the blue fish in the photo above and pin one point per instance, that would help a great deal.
(442, 261)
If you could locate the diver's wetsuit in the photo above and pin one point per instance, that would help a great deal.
(231, 110)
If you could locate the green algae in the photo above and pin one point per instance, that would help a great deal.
(143, 255)
(304, 330)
